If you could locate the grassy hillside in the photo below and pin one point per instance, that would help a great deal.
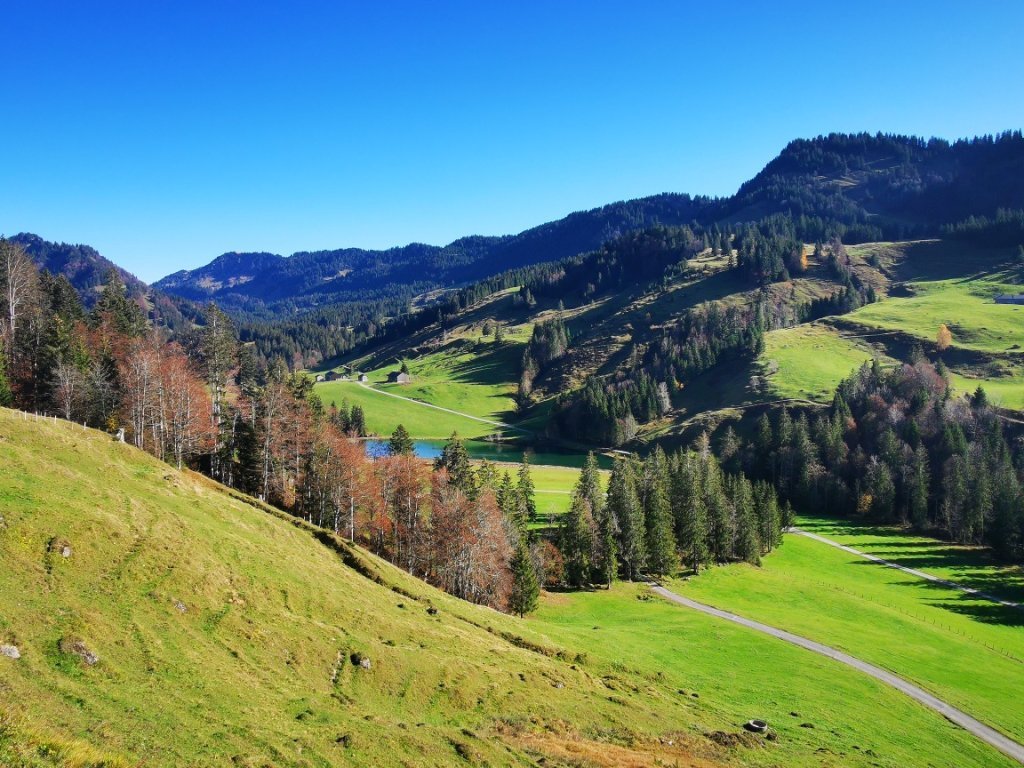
(808, 361)
(189, 626)
(226, 634)
(931, 283)
(384, 413)
(468, 375)
(966, 650)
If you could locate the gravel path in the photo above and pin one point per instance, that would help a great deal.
(989, 735)
(905, 569)
(501, 424)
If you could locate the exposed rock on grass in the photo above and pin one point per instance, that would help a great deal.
(10, 651)
(77, 647)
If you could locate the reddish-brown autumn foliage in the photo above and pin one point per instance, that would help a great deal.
(164, 405)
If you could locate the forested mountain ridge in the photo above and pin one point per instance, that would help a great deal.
(863, 186)
(262, 282)
(84, 267)
(89, 273)
(886, 186)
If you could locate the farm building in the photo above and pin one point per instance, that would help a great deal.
(399, 377)
(320, 377)
(1009, 298)
(363, 378)
(331, 376)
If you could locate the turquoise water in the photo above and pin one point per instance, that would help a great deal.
(481, 449)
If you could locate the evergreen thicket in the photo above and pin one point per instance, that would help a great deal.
(663, 511)
(897, 446)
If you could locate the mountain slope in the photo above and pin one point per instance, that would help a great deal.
(886, 186)
(185, 626)
(88, 272)
(248, 281)
(161, 620)
(872, 186)
(82, 265)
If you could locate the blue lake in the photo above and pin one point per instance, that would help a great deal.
(482, 449)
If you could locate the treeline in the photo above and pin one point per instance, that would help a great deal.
(768, 252)
(609, 413)
(664, 511)
(852, 293)
(1006, 228)
(896, 446)
(914, 186)
(634, 259)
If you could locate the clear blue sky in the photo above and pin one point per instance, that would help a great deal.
(165, 133)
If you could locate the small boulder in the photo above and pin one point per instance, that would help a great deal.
(362, 661)
(79, 648)
(10, 651)
(61, 547)
(432, 611)
(182, 608)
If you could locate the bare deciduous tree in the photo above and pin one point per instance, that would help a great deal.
(18, 279)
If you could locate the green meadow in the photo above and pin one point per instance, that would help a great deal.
(965, 305)
(717, 667)
(221, 632)
(473, 377)
(966, 650)
(809, 361)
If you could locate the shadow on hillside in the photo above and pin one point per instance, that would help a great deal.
(948, 259)
(970, 567)
(988, 613)
(492, 367)
(993, 585)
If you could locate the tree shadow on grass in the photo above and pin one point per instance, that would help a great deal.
(970, 567)
(988, 613)
(491, 367)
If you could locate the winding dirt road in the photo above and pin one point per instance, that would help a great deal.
(987, 734)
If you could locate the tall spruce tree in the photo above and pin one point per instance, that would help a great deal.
(219, 350)
(525, 587)
(660, 539)
(527, 495)
(577, 541)
(455, 460)
(401, 443)
(507, 495)
(769, 517)
(604, 555)
(114, 304)
(358, 421)
(918, 482)
(748, 540)
(720, 518)
(624, 503)
(692, 514)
